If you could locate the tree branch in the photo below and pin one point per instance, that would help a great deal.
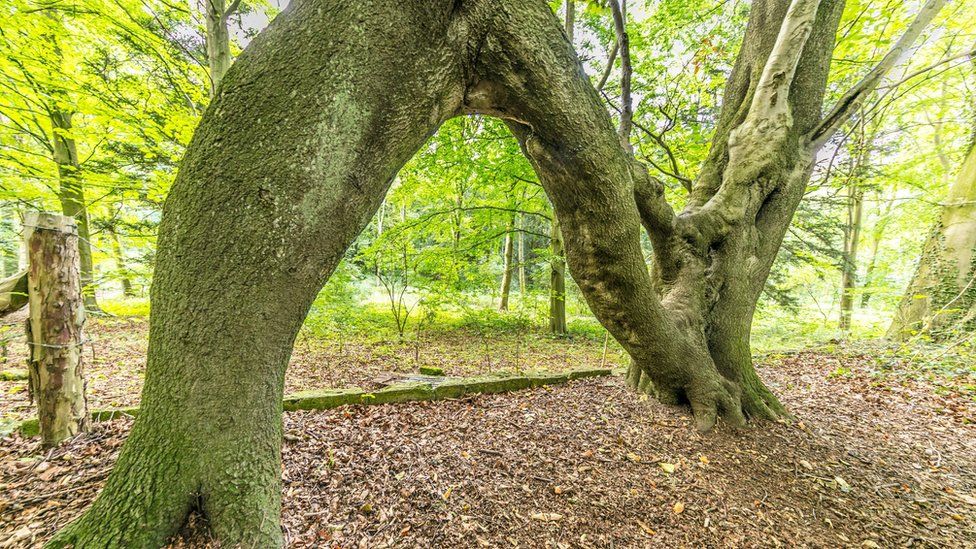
(617, 7)
(232, 8)
(855, 97)
(609, 69)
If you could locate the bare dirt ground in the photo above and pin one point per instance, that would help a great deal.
(871, 462)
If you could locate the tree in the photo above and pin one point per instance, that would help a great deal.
(215, 15)
(508, 268)
(294, 156)
(941, 298)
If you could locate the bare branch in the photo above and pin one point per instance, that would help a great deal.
(609, 69)
(854, 97)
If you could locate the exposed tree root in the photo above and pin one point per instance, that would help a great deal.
(713, 397)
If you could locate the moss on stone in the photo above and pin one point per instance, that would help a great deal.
(499, 382)
(323, 400)
(431, 371)
(401, 392)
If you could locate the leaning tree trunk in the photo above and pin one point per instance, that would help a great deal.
(292, 159)
(941, 298)
(13, 293)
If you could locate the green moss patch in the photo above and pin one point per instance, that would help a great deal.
(398, 392)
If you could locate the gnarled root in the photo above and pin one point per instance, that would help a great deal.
(710, 396)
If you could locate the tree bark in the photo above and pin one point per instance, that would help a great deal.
(72, 197)
(293, 158)
(55, 328)
(941, 299)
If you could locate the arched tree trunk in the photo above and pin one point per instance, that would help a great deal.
(293, 157)
(941, 298)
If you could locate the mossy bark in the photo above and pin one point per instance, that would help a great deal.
(940, 301)
(294, 155)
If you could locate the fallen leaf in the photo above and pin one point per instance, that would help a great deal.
(679, 508)
(650, 531)
(634, 457)
(547, 517)
(805, 464)
(667, 467)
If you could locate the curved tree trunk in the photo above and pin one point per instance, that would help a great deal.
(294, 156)
(286, 168)
(941, 299)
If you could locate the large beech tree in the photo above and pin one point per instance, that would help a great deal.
(941, 299)
(293, 157)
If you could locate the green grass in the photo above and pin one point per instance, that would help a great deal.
(126, 306)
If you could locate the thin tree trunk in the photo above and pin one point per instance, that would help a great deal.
(852, 237)
(619, 11)
(55, 328)
(125, 277)
(215, 14)
(557, 279)
(523, 281)
(508, 254)
(72, 197)
(877, 234)
(557, 267)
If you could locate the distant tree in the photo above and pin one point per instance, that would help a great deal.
(940, 301)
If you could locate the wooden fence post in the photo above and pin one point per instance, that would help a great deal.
(55, 327)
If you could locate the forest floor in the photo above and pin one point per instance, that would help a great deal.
(872, 460)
